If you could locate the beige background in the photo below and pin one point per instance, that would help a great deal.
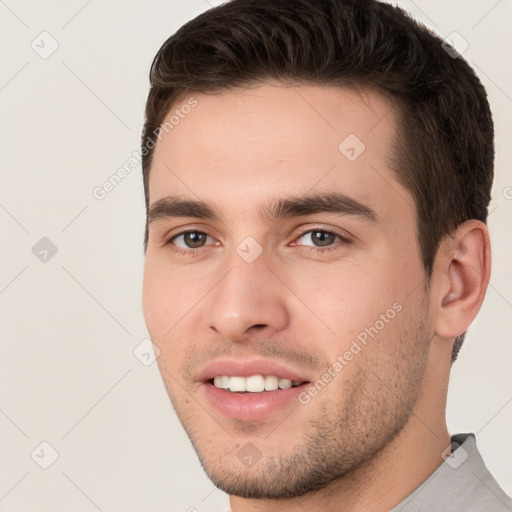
(69, 326)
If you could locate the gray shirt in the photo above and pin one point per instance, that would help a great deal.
(461, 483)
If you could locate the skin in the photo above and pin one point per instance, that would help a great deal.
(378, 429)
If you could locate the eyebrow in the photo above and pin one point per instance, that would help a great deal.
(277, 209)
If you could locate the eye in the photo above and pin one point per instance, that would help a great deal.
(322, 240)
(189, 240)
(192, 242)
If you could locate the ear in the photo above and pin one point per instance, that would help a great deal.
(462, 271)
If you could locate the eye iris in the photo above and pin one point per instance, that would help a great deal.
(323, 238)
(194, 239)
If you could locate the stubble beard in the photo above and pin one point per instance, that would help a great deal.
(349, 429)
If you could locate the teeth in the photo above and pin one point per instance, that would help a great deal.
(221, 382)
(285, 383)
(271, 383)
(237, 384)
(253, 384)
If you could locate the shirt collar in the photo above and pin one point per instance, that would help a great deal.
(461, 483)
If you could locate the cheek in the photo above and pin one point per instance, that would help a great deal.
(162, 321)
(151, 295)
(346, 299)
(163, 296)
(170, 298)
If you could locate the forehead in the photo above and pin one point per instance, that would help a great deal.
(248, 146)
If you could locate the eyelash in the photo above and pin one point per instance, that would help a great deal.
(318, 250)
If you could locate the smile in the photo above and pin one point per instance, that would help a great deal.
(253, 383)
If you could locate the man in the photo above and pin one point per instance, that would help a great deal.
(317, 175)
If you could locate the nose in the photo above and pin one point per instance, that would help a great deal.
(248, 298)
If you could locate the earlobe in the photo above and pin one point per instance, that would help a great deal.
(463, 269)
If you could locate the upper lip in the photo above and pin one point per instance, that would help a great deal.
(248, 367)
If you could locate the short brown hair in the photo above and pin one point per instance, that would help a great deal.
(444, 143)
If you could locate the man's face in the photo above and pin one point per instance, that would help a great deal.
(333, 301)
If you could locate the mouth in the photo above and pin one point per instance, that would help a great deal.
(253, 383)
(251, 390)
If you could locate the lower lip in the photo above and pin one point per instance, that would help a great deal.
(251, 406)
